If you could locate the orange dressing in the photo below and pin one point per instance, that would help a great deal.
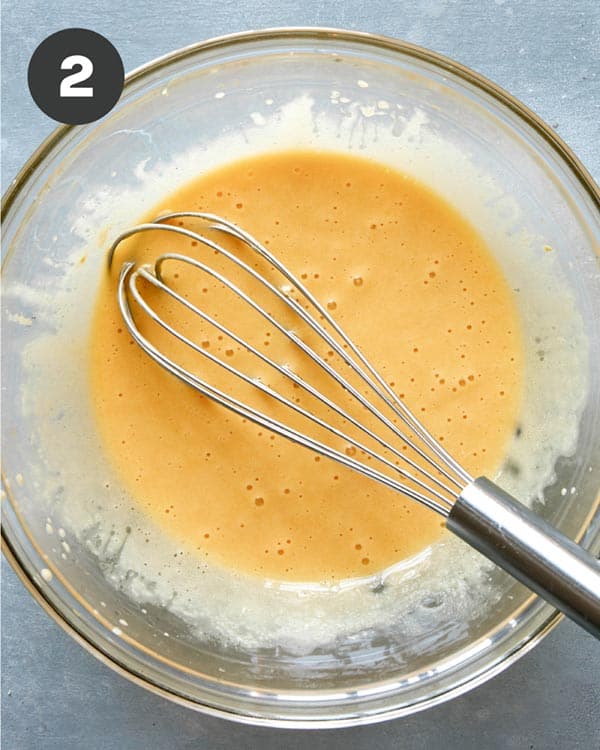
(412, 284)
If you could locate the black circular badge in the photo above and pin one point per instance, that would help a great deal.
(75, 76)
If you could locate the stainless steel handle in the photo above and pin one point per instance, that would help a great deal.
(530, 549)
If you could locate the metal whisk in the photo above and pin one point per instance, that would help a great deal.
(476, 510)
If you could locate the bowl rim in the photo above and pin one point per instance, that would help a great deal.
(220, 43)
(308, 32)
(267, 721)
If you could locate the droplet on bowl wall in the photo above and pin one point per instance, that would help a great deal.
(257, 118)
(19, 319)
(46, 574)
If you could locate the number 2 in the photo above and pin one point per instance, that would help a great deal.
(67, 85)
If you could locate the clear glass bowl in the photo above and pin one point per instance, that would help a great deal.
(63, 205)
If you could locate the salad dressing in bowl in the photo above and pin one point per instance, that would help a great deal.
(410, 281)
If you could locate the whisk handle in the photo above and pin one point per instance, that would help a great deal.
(530, 549)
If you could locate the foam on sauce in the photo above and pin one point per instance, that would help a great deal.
(413, 285)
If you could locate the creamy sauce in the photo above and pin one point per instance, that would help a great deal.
(411, 282)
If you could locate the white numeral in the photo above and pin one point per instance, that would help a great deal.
(67, 84)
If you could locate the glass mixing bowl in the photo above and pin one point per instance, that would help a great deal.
(191, 110)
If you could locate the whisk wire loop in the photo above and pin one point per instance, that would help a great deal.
(305, 348)
(396, 403)
(156, 280)
(127, 282)
(458, 478)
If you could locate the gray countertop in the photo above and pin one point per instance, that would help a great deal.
(56, 695)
